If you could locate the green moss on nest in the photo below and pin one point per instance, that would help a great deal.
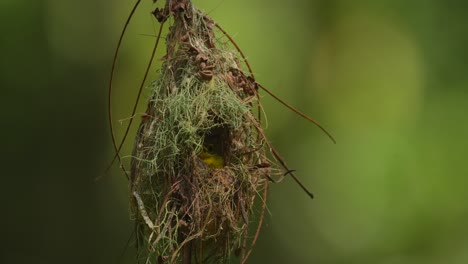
(184, 208)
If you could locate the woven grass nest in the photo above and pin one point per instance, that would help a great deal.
(186, 209)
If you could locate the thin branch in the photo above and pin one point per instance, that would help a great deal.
(142, 84)
(111, 79)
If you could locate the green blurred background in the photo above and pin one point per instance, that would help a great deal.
(388, 78)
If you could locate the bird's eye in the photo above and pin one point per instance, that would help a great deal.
(210, 148)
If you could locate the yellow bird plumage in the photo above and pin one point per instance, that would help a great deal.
(210, 158)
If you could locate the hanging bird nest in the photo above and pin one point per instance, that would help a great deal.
(188, 207)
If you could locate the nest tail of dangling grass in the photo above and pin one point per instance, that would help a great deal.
(186, 209)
